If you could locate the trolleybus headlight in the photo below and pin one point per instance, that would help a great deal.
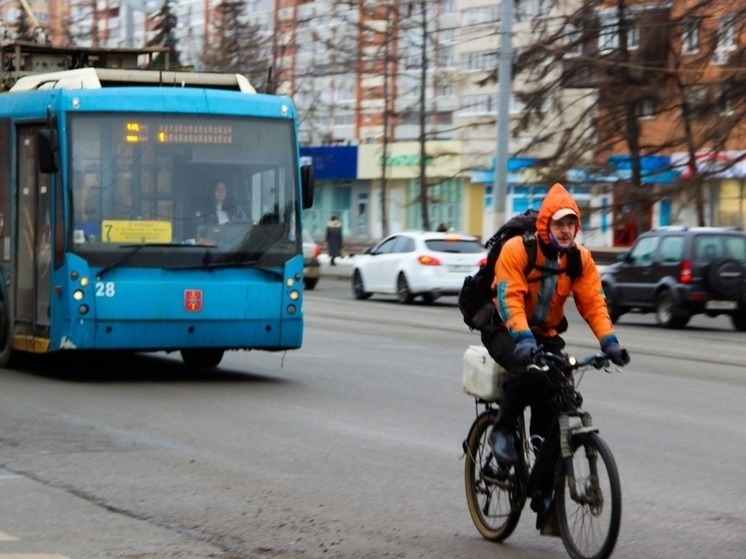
(84, 281)
(83, 309)
(291, 309)
(78, 294)
(294, 295)
(290, 282)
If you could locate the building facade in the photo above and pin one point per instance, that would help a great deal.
(405, 93)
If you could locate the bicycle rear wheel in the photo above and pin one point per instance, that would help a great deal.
(488, 487)
(589, 524)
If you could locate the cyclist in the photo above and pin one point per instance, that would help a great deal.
(531, 313)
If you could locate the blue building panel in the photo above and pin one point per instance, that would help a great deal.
(332, 162)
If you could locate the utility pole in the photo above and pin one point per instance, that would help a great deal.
(504, 77)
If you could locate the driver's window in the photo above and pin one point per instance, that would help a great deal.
(644, 250)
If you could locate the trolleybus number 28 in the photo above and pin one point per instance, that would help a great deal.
(105, 289)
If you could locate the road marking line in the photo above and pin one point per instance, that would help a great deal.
(7, 537)
(31, 556)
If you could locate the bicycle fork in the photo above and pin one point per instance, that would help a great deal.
(567, 434)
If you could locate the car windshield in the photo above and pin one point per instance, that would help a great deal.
(708, 248)
(454, 245)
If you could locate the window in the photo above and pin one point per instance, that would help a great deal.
(608, 36)
(690, 37)
(644, 250)
(486, 60)
(573, 41)
(696, 98)
(633, 35)
(477, 104)
(726, 33)
(485, 14)
(645, 108)
(672, 249)
(725, 99)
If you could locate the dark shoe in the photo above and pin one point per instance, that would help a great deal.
(546, 517)
(503, 447)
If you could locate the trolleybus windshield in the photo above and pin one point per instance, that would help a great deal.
(218, 189)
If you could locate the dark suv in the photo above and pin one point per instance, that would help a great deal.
(677, 272)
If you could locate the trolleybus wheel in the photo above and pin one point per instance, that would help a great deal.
(5, 341)
(202, 358)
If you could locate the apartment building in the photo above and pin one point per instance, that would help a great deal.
(391, 90)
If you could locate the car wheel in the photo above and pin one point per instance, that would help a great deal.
(725, 277)
(739, 321)
(358, 289)
(310, 283)
(611, 305)
(403, 294)
(428, 298)
(665, 312)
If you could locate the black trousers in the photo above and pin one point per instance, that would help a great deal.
(522, 387)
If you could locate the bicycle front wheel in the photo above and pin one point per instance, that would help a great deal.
(589, 522)
(490, 489)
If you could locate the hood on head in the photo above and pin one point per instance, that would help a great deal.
(558, 202)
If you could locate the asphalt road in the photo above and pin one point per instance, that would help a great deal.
(351, 447)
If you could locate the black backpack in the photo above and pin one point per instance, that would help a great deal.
(475, 298)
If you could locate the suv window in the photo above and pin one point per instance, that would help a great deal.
(672, 249)
(644, 250)
(708, 248)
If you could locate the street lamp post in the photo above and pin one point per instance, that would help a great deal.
(494, 219)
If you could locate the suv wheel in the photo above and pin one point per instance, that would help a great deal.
(725, 277)
(614, 313)
(665, 312)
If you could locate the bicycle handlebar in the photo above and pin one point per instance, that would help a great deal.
(596, 360)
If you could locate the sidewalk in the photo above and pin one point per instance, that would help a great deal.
(342, 268)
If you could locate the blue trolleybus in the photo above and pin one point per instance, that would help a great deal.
(111, 238)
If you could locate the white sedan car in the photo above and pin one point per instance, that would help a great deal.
(417, 263)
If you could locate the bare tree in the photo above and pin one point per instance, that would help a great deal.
(164, 34)
(80, 25)
(237, 45)
(632, 77)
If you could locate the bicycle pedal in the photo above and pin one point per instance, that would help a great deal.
(491, 472)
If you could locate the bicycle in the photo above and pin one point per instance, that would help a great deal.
(584, 507)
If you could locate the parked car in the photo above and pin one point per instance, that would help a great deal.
(678, 272)
(417, 264)
(311, 266)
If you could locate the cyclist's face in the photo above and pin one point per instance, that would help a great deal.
(564, 230)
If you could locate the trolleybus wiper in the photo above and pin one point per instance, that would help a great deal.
(229, 264)
(134, 250)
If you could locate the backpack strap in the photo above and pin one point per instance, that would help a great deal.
(529, 242)
(572, 269)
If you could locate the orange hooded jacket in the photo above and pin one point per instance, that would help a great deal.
(538, 305)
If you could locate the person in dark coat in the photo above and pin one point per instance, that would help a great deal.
(334, 238)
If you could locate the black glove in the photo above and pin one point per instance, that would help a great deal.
(610, 347)
(526, 351)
